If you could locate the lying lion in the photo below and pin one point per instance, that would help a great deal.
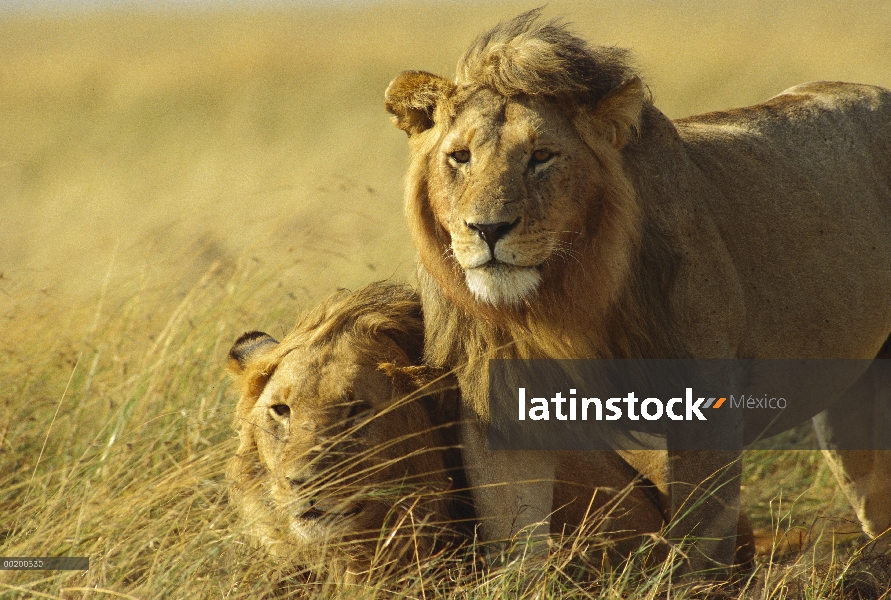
(327, 459)
(341, 467)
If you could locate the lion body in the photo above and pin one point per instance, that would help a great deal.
(798, 223)
(558, 214)
(755, 197)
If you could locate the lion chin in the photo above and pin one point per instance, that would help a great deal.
(500, 283)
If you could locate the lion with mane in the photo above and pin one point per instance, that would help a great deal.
(347, 460)
(557, 213)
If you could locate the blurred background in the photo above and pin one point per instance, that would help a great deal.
(175, 173)
(145, 139)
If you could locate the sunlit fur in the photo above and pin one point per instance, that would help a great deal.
(508, 286)
(324, 488)
(760, 232)
(597, 492)
(590, 283)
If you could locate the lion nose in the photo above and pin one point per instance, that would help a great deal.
(492, 232)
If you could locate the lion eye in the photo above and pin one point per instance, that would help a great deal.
(282, 410)
(460, 156)
(358, 408)
(541, 156)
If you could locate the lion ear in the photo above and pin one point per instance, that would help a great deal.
(412, 98)
(249, 381)
(615, 118)
(246, 347)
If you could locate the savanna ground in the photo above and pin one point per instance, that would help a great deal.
(169, 180)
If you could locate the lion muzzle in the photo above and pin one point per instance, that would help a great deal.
(492, 232)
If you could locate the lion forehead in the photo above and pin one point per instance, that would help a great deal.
(311, 379)
(500, 137)
(493, 122)
(321, 380)
(483, 110)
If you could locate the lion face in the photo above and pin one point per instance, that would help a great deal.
(503, 188)
(336, 450)
(318, 426)
(518, 186)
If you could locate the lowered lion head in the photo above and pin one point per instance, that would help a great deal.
(339, 465)
(516, 169)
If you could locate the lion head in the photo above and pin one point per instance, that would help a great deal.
(516, 166)
(338, 464)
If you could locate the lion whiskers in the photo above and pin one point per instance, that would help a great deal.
(565, 250)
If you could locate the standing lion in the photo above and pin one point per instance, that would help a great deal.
(558, 214)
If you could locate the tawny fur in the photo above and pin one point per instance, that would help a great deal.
(762, 232)
(350, 476)
(597, 491)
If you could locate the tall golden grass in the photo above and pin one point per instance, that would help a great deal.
(169, 180)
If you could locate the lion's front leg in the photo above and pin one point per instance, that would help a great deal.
(704, 473)
(705, 490)
(513, 490)
(855, 436)
(863, 475)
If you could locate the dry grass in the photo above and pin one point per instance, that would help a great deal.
(169, 180)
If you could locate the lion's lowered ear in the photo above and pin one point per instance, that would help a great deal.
(250, 376)
(412, 98)
(434, 383)
(615, 118)
(246, 347)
